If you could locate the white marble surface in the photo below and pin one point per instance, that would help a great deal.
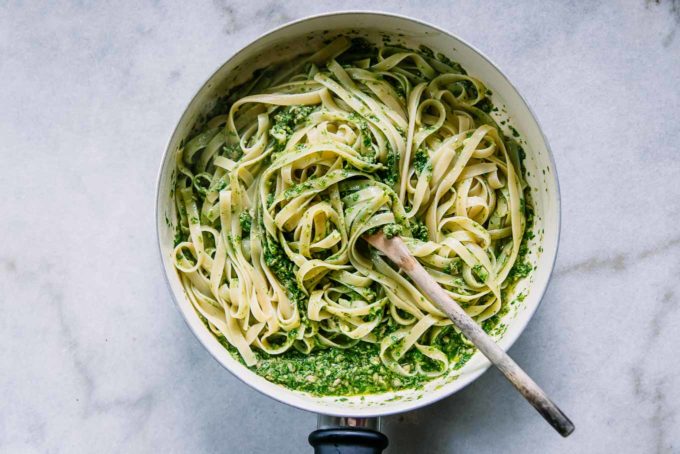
(95, 358)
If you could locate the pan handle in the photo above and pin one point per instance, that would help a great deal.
(341, 435)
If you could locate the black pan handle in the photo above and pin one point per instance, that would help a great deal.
(347, 440)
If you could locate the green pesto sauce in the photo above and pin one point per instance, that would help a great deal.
(392, 230)
(347, 372)
(336, 372)
(418, 229)
(421, 162)
(358, 370)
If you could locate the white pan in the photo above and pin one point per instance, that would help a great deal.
(304, 36)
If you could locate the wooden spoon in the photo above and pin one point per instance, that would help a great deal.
(396, 250)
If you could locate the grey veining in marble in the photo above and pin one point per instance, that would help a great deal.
(95, 358)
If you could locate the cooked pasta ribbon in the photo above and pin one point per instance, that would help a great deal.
(275, 194)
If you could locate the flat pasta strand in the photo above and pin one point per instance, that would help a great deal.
(274, 196)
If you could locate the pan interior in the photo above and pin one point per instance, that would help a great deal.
(307, 36)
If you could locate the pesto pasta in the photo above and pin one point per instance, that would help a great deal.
(276, 189)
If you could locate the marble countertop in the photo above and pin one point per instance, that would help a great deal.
(94, 356)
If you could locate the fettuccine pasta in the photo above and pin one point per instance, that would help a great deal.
(275, 192)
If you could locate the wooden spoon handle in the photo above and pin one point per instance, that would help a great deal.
(395, 249)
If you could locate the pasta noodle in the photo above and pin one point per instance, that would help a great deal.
(276, 190)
